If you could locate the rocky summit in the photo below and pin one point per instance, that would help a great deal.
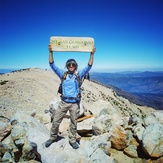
(111, 129)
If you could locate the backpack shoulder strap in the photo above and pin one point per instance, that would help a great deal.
(78, 78)
(64, 76)
(76, 74)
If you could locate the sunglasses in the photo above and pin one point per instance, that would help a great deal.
(71, 64)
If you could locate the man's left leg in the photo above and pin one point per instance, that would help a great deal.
(74, 113)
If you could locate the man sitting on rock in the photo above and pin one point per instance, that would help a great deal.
(70, 97)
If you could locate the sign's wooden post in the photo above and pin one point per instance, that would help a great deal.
(78, 44)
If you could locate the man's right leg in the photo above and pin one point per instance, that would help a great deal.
(58, 117)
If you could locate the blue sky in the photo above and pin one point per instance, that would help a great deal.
(128, 33)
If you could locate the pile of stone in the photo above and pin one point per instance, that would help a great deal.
(137, 137)
(141, 138)
(27, 143)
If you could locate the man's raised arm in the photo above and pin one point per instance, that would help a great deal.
(51, 60)
(90, 62)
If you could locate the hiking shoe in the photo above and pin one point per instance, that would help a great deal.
(49, 142)
(74, 145)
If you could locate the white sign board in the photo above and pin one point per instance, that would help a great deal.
(78, 44)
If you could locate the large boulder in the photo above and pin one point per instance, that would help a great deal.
(106, 120)
(102, 106)
(120, 138)
(155, 117)
(152, 140)
(102, 124)
(85, 126)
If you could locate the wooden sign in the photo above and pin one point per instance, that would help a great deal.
(78, 44)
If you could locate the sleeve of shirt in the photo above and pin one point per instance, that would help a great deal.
(85, 71)
(57, 70)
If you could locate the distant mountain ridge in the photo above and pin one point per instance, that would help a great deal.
(4, 71)
(144, 88)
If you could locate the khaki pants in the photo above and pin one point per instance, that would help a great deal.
(63, 107)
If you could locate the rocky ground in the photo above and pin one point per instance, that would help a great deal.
(30, 89)
(127, 126)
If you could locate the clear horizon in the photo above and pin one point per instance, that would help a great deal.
(128, 34)
(3, 70)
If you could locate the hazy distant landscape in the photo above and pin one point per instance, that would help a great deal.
(144, 88)
(3, 71)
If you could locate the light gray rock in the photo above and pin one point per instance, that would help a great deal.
(103, 107)
(18, 132)
(152, 140)
(107, 119)
(155, 117)
(131, 151)
(102, 124)
(85, 125)
(98, 148)
(7, 157)
(138, 131)
(137, 120)
(102, 142)
(28, 120)
(159, 115)
(22, 148)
